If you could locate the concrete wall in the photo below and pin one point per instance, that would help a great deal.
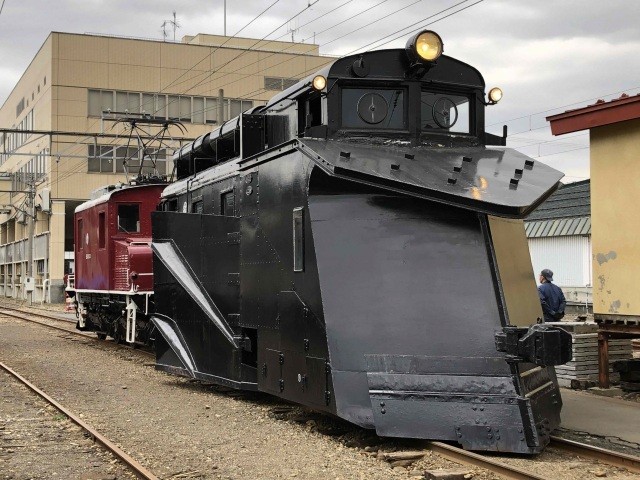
(615, 196)
(568, 257)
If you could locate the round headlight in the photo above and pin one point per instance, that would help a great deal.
(495, 95)
(319, 82)
(428, 46)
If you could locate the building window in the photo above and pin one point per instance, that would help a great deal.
(129, 218)
(100, 101)
(40, 267)
(127, 102)
(198, 110)
(211, 110)
(112, 159)
(183, 108)
(20, 107)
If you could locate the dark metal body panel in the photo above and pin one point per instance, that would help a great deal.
(203, 242)
(392, 273)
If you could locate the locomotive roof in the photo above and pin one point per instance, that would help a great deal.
(107, 196)
(218, 172)
(390, 63)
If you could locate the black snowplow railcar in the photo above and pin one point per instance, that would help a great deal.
(354, 246)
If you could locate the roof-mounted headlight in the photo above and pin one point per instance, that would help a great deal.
(495, 95)
(426, 46)
(319, 82)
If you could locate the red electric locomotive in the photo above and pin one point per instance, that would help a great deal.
(113, 282)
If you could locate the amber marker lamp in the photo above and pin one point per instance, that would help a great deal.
(495, 95)
(319, 82)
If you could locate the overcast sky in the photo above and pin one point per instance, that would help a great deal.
(546, 55)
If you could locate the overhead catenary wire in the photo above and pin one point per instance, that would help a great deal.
(297, 14)
(220, 46)
(363, 11)
(309, 71)
(384, 37)
(207, 56)
(207, 75)
(80, 145)
(563, 106)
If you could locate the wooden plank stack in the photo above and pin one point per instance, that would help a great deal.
(582, 370)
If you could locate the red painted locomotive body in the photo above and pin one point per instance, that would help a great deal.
(113, 284)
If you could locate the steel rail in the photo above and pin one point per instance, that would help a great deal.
(3, 311)
(460, 455)
(609, 457)
(10, 313)
(16, 308)
(139, 470)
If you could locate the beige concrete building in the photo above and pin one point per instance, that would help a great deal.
(82, 84)
(615, 191)
(614, 130)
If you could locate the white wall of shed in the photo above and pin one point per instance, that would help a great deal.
(568, 257)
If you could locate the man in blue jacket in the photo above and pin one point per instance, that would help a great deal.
(551, 297)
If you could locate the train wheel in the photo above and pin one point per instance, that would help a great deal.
(117, 336)
(101, 336)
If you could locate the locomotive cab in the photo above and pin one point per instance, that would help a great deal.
(356, 247)
(113, 285)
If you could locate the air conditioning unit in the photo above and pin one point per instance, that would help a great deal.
(45, 200)
(21, 217)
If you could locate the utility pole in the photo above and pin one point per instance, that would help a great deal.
(225, 18)
(32, 228)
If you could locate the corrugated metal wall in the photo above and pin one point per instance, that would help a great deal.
(568, 257)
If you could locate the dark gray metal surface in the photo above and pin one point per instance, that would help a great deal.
(483, 183)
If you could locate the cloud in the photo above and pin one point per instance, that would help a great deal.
(544, 54)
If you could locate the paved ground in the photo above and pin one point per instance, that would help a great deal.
(603, 416)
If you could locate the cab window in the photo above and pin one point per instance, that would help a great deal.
(129, 218)
(369, 108)
(445, 112)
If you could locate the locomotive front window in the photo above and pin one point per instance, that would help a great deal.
(445, 112)
(368, 108)
(129, 218)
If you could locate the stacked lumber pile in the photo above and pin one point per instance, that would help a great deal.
(582, 370)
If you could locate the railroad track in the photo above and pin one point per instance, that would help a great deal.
(609, 457)
(69, 328)
(585, 451)
(134, 465)
(456, 454)
(22, 315)
(472, 459)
